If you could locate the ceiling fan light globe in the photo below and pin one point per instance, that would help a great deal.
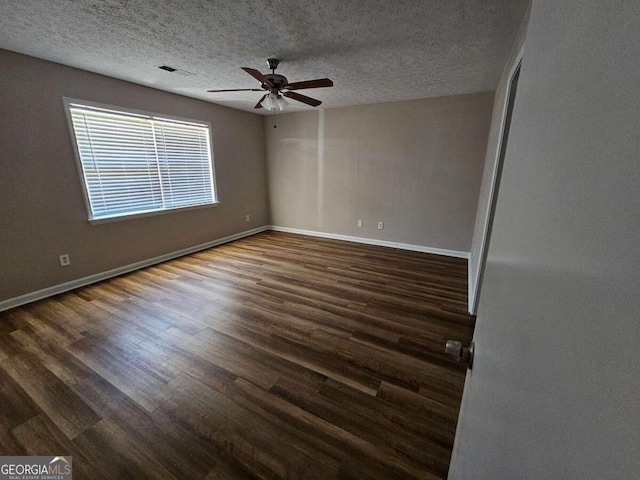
(281, 102)
(268, 102)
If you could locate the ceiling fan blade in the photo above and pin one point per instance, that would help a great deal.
(318, 83)
(259, 104)
(237, 90)
(258, 76)
(302, 98)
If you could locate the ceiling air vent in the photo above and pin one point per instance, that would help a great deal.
(175, 70)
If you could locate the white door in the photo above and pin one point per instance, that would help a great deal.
(555, 388)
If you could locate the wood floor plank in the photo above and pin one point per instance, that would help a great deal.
(436, 425)
(302, 420)
(40, 434)
(177, 452)
(233, 427)
(375, 429)
(275, 356)
(50, 394)
(16, 406)
(111, 449)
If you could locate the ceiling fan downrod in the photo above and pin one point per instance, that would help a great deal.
(273, 64)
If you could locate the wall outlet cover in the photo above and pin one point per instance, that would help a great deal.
(380, 225)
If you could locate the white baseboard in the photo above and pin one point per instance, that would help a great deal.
(81, 282)
(374, 241)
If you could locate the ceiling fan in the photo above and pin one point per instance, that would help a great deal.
(277, 87)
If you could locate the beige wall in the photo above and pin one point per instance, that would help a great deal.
(414, 165)
(42, 211)
(481, 226)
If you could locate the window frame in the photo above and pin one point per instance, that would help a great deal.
(69, 102)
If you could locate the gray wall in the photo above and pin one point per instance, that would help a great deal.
(555, 392)
(42, 212)
(414, 165)
(490, 165)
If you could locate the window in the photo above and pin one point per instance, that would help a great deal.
(134, 163)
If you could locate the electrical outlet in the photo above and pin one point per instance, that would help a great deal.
(246, 218)
(380, 225)
(64, 259)
(360, 223)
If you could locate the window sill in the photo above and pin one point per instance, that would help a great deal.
(131, 216)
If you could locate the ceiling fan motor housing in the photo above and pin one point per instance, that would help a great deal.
(278, 81)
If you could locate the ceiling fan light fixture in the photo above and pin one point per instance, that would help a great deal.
(281, 102)
(269, 102)
(274, 101)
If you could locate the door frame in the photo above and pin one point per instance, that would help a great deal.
(498, 160)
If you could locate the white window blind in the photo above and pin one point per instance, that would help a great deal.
(134, 164)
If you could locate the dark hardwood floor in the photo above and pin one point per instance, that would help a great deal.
(276, 356)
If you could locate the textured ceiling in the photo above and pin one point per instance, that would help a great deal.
(374, 51)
